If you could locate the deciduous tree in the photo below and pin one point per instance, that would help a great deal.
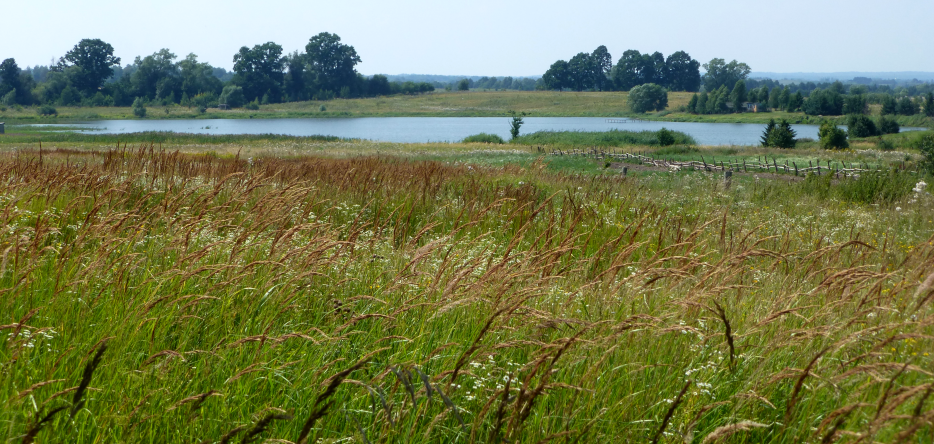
(94, 59)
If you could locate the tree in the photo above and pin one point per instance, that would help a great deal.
(515, 124)
(692, 105)
(929, 105)
(831, 137)
(720, 73)
(233, 96)
(855, 104)
(738, 96)
(378, 85)
(558, 76)
(775, 98)
(581, 72)
(683, 72)
(602, 63)
(197, 78)
(784, 136)
(795, 101)
(654, 69)
(156, 75)
(332, 62)
(766, 138)
(626, 73)
(906, 107)
(826, 102)
(9, 77)
(701, 107)
(94, 59)
(888, 125)
(295, 80)
(858, 125)
(647, 97)
(259, 70)
(139, 110)
(464, 84)
(889, 104)
(665, 137)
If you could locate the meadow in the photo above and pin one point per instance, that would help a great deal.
(328, 291)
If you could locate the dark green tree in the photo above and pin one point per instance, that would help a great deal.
(738, 95)
(602, 63)
(795, 101)
(156, 75)
(332, 62)
(692, 104)
(378, 85)
(139, 109)
(855, 104)
(94, 60)
(515, 124)
(581, 72)
(12, 81)
(232, 96)
(558, 76)
(929, 105)
(783, 136)
(775, 98)
(889, 104)
(627, 72)
(720, 73)
(906, 107)
(259, 71)
(654, 69)
(888, 125)
(831, 137)
(701, 107)
(464, 84)
(197, 78)
(648, 97)
(683, 72)
(859, 125)
(766, 139)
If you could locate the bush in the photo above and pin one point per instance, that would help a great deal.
(665, 137)
(926, 146)
(322, 108)
(888, 125)
(600, 139)
(858, 125)
(483, 138)
(254, 105)
(831, 137)
(47, 110)
(232, 95)
(648, 97)
(139, 110)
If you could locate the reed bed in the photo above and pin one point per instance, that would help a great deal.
(151, 296)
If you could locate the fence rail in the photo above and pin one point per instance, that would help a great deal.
(627, 120)
(760, 165)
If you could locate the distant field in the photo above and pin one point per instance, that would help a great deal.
(439, 104)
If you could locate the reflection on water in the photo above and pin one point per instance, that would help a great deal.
(437, 129)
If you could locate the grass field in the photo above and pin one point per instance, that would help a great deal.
(365, 292)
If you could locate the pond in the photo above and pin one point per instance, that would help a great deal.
(436, 129)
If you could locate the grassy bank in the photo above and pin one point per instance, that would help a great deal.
(438, 104)
(157, 297)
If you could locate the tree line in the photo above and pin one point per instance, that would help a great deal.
(90, 75)
(596, 71)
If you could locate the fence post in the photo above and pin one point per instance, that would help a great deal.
(796, 168)
(744, 166)
(727, 179)
(625, 171)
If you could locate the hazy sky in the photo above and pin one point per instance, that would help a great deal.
(483, 37)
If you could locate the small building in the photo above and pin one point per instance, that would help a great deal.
(755, 107)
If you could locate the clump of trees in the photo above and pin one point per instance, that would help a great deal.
(831, 137)
(596, 71)
(860, 125)
(648, 97)
(90, 75)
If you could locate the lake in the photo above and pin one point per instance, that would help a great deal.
(437, 129)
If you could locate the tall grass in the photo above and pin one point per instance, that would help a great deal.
(375, 299)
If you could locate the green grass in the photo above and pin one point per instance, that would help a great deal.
(484, 138)
(612, 138)
(390, 296)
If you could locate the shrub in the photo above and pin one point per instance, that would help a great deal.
(47, 110)
(831, 137)
(665, 137)
(888, 125)
(483, 138)
(233, 96)
(926, 146)
(648, 97)
(322, 108)
(139, 110)
(254, 105)
(858, 125)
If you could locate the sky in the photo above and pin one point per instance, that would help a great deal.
(495, 38)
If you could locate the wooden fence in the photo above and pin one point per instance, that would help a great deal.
(759, 165)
